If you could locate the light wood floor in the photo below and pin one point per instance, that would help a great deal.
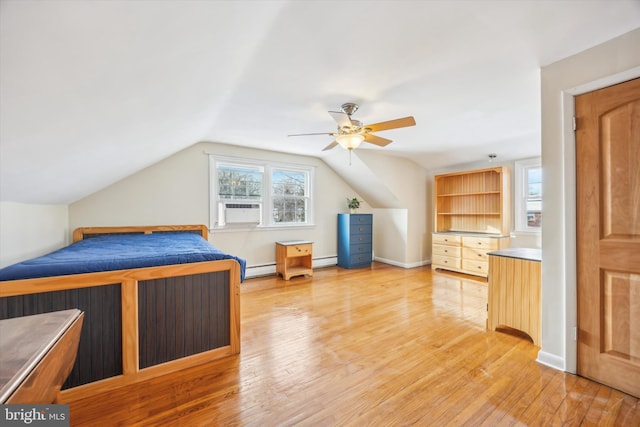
(378, 347)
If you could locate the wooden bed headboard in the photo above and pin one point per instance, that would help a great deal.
(86, 232)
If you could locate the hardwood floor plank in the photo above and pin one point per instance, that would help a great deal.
(377, 346)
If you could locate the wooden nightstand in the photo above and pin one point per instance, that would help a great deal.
(294, 258)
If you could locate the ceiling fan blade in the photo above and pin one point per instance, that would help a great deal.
(376, 140)
(330, 146)
(392, 124)
(341, 118)
(305, 134)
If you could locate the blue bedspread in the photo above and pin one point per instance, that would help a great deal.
(119, 252)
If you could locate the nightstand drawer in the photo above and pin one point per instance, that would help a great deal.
(299, 250)
(445, 250)
(446, 239)
(480, 242)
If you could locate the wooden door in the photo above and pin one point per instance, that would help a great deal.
(608, 235)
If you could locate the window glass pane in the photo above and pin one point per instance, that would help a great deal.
(534, 197)
(534, 181)
(287, 209)
(534, 213)
(288, 183)
(238, 182)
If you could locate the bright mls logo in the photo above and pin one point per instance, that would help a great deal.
(34, 415)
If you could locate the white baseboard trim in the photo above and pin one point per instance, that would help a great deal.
(260, 270)
(403, 264)
(551, 360)
(270, 269)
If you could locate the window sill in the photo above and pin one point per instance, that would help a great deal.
(228, 229)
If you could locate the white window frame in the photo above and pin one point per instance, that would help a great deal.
(521, 193)
(216, 219)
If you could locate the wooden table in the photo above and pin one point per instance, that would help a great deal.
(294, 258)
(514, 291)
(38, 353)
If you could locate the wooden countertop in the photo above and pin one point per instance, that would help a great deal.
(528, 254)
(25, 341)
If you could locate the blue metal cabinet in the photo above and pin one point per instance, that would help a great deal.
(355, 240)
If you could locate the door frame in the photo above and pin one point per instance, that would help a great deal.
(570, 216)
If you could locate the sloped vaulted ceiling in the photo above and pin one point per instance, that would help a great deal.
(91, 92)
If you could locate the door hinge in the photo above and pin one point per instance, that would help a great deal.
(574, 333)
(575, 123)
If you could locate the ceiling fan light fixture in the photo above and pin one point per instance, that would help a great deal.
(350, 141)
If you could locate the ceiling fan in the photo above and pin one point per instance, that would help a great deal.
(351, 133)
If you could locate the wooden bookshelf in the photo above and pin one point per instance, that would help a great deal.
(472, 218)
(473, 201)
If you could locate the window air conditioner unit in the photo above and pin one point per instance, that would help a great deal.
(242, 213)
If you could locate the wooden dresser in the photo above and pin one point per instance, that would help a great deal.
(465, 253)
(472, 217)
(355, 240)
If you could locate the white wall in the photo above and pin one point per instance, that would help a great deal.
(401, 235)
(603, 65)
(176, 191)
(391, 235)
(29, 231)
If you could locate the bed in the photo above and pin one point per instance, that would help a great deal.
(157, 299)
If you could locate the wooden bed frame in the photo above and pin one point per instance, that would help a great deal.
(139, 323)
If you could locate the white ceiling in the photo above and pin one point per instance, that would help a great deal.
(91, 92)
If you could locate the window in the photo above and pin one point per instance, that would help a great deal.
(251, 193)
(528, 195)
(289, 195)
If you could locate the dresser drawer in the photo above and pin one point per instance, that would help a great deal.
(446, 239)
(363, 258)
(445, 261)
(480, 242)
(361, 248)
(475, 254)
(361, 229)
(445, 250)
(479, 267)
(299, 250)
(359, 239)
(360, 219)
